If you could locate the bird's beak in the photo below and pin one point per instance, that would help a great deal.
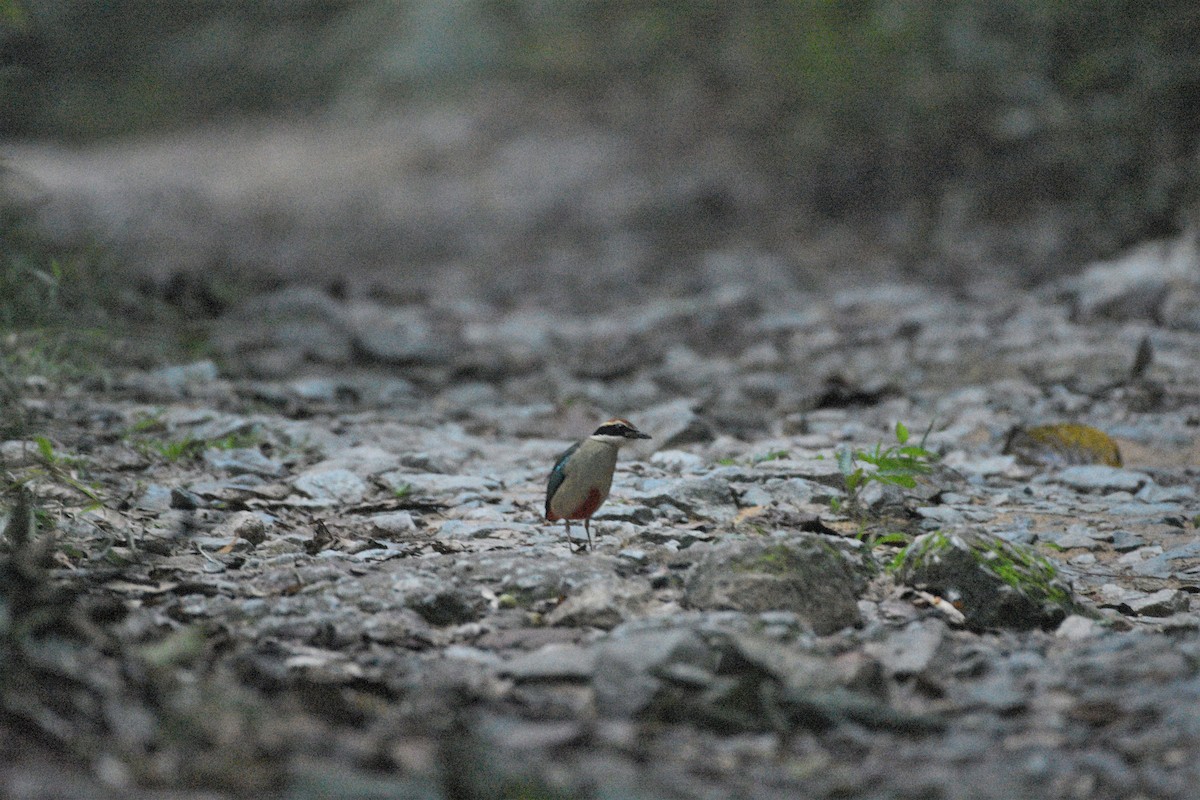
(641, 435)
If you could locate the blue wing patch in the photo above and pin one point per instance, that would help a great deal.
(558, 474)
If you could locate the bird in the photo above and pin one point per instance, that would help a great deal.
(582, 476)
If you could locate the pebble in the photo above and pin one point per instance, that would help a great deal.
(1073, 537)
(1153, 493)
(335, 486)
(392, 523)
(553, 662)
(155, 498)
(676, 461)
(243, 461)
(426, 483)
(1076, 628)
(180, 376)
(1096, 477)
(1124, 541)
(19, 453)
(1162, 603)
(246, 525)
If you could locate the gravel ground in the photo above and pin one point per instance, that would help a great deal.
(313, 564)
(321, 570)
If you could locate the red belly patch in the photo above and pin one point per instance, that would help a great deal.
(588, 506)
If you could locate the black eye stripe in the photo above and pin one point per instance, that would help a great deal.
(612, 430)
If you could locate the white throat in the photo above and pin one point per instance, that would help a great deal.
(613, 441)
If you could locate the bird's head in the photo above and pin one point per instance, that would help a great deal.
(617, 432)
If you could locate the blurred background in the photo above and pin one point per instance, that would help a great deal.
(579, 155)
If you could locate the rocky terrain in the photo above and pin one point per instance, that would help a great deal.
(320, 568)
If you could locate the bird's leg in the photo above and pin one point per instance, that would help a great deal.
(570, 547)
(587, 521)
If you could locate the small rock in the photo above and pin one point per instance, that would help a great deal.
(245, 525)
(753, 496)
(1073, 537)
(155, 498)
(993, 582)
(1076, 628)
(1162, 603)
(335, 485)
(19, 453)
(184, 500)
(397, 335)
(796, 491)
(1153, 493)
(803, 573)
(595, 605)
(180, 376)
(910, 651)
(708, 497)
(626, 679)
(449, 607)
(428, 483)
(1097, 477)
(676, 461)
(673, 424)
(553, 662)
(243, 461)
(1130, 287)
(1161, 564)
(943, 515)
(392, 523)
(1124, 541)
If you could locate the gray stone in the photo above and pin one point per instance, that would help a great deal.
(335, 485)
(677, 461)
(707, 497)
(942, 515)
(181, 376)
(626, 679)
(797, 491)
(672, 424)
(392, 523)
(1145, 509)
(362, 460)
(1131, 287)
(1073, 537)
(910, 651)
(1153, 493)
(449, 607)
(397, 335)
(1076, 628)
(988, 465)
(243, 461)
(428, 483)
(1163, 564)
(553, 662)
(245, 525)
(1124, 541)
(993, 582)
(753, 495)
(595, 605)
(804, 574)
(155, 498)
(1162, 603)
(470, 529)
(1097, 477)
(19, 453)
(184, 500)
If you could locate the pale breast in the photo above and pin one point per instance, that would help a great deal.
(589, 472)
